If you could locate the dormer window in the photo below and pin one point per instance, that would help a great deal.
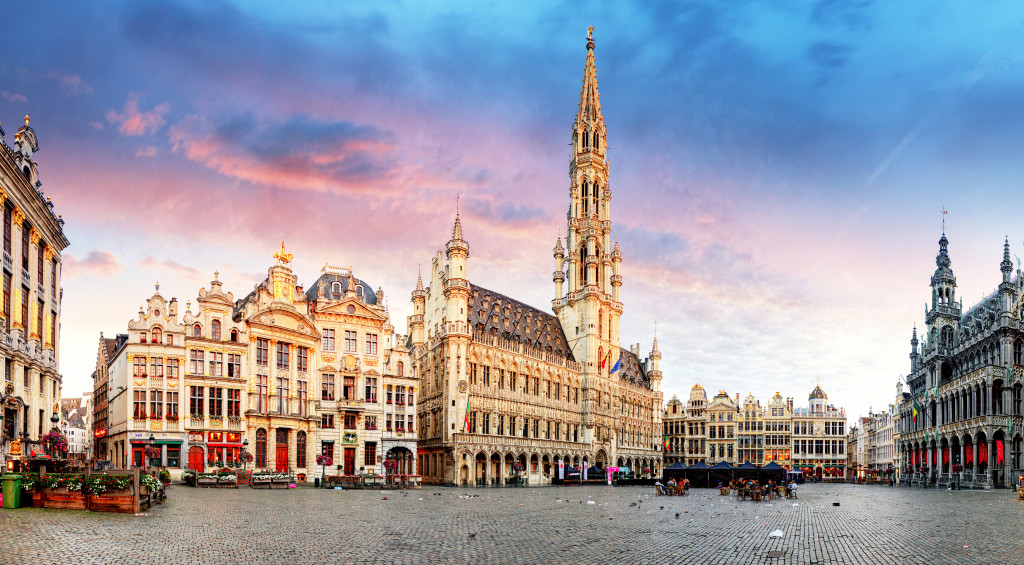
(336, 287)
(234, 334)
(142, 337)
(359, 291)
(158, 335)
(197, 331)
(215, 329)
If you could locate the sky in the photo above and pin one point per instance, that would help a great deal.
(778, 169)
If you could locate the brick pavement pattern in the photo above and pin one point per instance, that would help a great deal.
(872, 524)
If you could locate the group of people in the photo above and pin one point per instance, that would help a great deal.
(757, 491)
(671, 487)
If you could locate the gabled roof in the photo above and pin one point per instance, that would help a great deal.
(631, 370)
(492, 313)
(369, 296)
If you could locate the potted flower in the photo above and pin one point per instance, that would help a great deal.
(324, 461)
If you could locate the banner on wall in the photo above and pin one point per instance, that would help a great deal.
(561, 470)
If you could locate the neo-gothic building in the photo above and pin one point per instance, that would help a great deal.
(503, 383)
(964, 406)
(33, 239)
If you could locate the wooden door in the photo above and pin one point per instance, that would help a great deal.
(282, 458)
(195, 458)
(350, 460)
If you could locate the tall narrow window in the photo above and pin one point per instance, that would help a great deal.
(327, 341)
(282, 355)
(262, 392)
(172, 368)
(195, 402)
(371, 389)
(371, 344)
(24, 307)
(196, 362)
(197, 331)
(7, 301)
(234, 365)
(156, 367)
(326, 387)
(300, 450)
(156, 404)
(216, 402)
(303, 392)
(172, 405)
(283, 386)
(215, 330)
(40, 253)
(7, 230)
(348, 390)
(158, 335)
(262, 351)
(216, 364)
(261, 447)
(350, 341)
(139, 405)
(302, 359)
(24, 245)
(53, 279)
(234, 403)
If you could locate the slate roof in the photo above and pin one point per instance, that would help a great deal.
(492, 313)
(369, 295)
(631, 370)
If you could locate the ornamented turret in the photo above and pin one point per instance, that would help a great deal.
(558, 276)
(419, 301)
(1006, 266)
(655, 372)
(456, 287)
(944, 308)
(914, 355)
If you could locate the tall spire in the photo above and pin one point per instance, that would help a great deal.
(1006, 266)
(590, 100)
(457, 231)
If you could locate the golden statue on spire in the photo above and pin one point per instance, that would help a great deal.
(283, 258)
(590, 33)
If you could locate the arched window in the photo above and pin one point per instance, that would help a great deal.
(336, 288)
(261, 447)
(586, 198)
(401, 369)
(597, 140)
(586, 140)
(215, 329)
(359, 291)
(300, 450)
(234, 334)
(158, 335)
(600, 324)
(596, 195)
(197, 331)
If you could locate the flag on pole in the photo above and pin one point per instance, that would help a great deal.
(467, 415)
(605, 360)
(666, 444)
(1009, 373)
(617, 366)
(917, 409)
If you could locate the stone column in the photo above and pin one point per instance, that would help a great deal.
(487, 471)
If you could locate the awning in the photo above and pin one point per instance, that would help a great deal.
(162, 441)
(223, 445)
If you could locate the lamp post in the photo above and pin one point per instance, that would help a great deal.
(150, 446)
(245, 449)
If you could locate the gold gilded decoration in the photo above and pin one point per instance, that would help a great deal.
(17, 216)
(283, 257)
(350, 362)
(463, 386)
(140, 382)
(16, 447)
(35, 236)
(48, 253)
(371, 362)
(156, 424)
(590, 33)
(215, 423)
(277, 290)
(3, 195)
(327, 358)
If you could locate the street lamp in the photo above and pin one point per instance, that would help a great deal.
(245, 449)
(151, 445)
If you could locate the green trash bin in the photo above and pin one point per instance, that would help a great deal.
(12, 490)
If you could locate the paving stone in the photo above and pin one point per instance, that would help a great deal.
(873, 524)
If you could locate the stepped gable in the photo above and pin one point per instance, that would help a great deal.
(491, 313)
(631, 370)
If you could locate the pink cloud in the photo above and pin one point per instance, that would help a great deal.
(147, 151)
(99, 263)
(96, 126)
(175, 268)
(132, 122)
(12, 96)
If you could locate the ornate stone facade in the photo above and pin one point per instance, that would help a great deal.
(964, 403)
(506, 386)
(33, 239)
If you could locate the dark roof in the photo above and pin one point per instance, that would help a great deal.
(698, 466)
(677, 466)
(109, 346)
(369, 295)
(491, 313)
(747, 466)
(773, 466)
(631, 370)
(723, 465)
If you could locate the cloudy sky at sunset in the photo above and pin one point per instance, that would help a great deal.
(778, 168)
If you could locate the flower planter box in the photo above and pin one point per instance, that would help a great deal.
(272, 481)
(415, 481)
(207, 481)
(227, 482)
(114, 501)
(64, 499)
(37, 499)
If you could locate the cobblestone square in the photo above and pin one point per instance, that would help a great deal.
(872, 524)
